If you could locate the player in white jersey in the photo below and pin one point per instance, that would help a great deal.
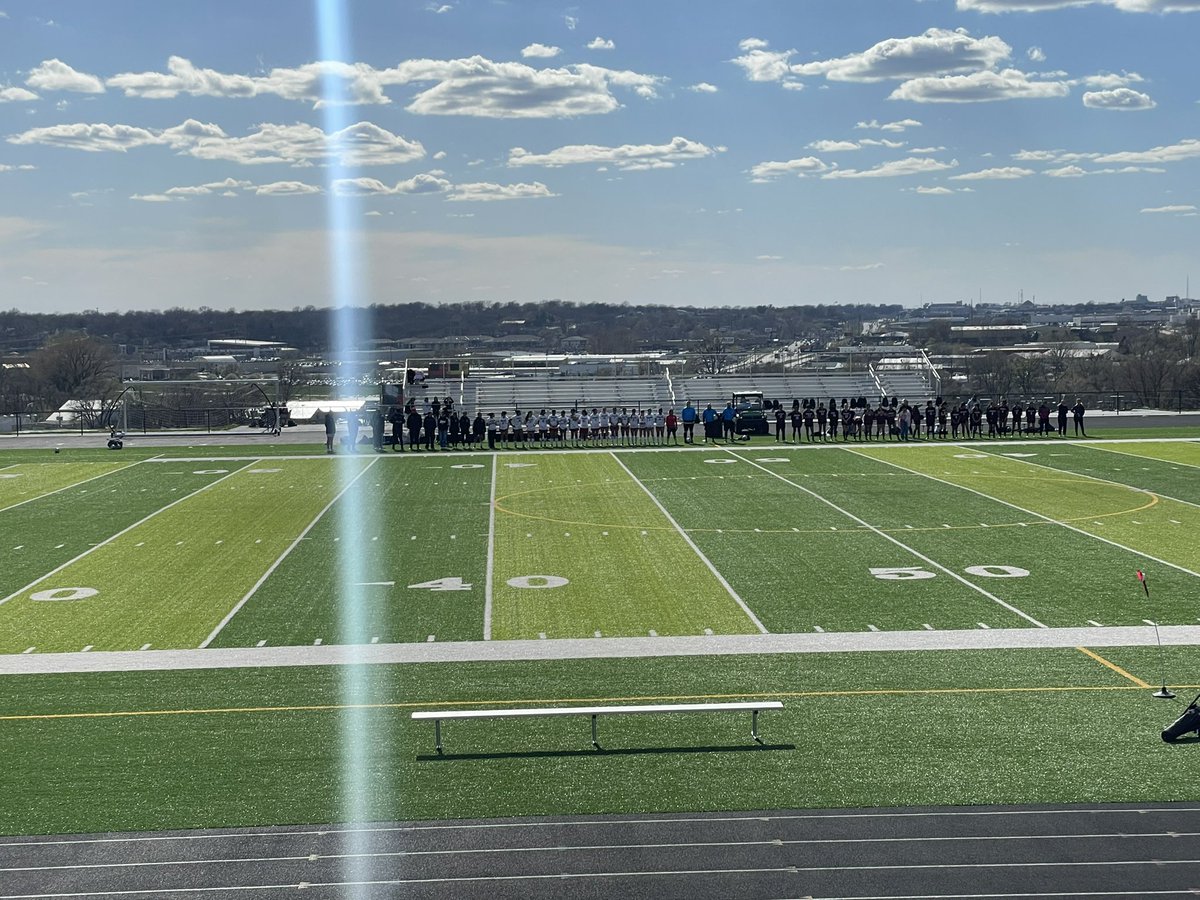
(594, 424)
(552, 426)
(543, 426)
(660, 426)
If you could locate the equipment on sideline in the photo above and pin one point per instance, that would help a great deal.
(116, 439)
(1162, 693)
(1189, 721)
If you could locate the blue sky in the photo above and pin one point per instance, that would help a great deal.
(168, 154)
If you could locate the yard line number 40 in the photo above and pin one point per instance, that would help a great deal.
(522, 581)
(916, 573)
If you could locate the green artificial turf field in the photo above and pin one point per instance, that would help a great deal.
(228, 551)
(405, 548)
(139, 751)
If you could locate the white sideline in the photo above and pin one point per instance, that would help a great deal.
(597, 648)
(275, 565)
(901, 544)
(109, 540)
(700, 553)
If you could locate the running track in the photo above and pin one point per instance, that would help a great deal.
(957, 852)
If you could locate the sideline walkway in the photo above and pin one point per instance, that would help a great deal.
(595, 648)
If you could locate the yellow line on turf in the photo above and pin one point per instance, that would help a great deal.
(335, 707)
(1104, 662)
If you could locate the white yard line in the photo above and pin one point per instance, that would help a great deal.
(491, 555)
(136, 524)
(893, 540)
(1038, 515)
(1134, 457)
(275, 565)
(69, 486)
(700, 553)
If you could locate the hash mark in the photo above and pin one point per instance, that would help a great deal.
(317, 642)
(429, 640)
(927, 627)
(29, 650)
(541, 635)
(597, 634)
(708, 631)
(872, 628)
(818, 629)
(982, 625)
(1094, 622)
(87, 648)
(653, 633)
(261, 644)
(145, 646)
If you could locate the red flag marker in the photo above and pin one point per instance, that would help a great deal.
(1142, 578)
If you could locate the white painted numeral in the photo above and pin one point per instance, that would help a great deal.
(537, 581)
(442, 584)
(997, 571)
(65, 593)
(906, 573)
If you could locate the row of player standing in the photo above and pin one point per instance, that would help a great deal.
(892, 421)
(449, 430)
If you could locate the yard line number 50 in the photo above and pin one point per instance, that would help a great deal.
(916, 573)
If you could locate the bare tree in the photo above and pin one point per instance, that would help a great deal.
(1150, 369)
(76, 368)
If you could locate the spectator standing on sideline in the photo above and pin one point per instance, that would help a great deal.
(352, 424)
(492, 428)
(780, 425)
(710, 419)
(1044, 418)
(377, 429)
(672, 426)
(443, 429)
(429, 426)
(728, 415)
(1063, 409)
(1077, 412)
(414, 429)
(688, 417)
(330, 430)
(396, 418)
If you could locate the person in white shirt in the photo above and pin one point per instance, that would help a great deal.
(660, 426)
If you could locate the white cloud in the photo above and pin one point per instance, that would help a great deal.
(898, 126)
(832, 146)
(1180, 208)
(627, 157)
(891, 145)
(361, 144)
(153, 198)
(863, 268)
(767, 257)
(912, 165)
(1185, 149)
(441, 154)
(1135, 6)
(1123, 99)
(92, 138)
(3, 14)
(764, 65)
(571, 22)
(926, 149)
(475, 86)
(16, 95)
(1107, 80)
(56, 75)
(938, 51)
(480, 87)
(934, 191)
(540, 51)
(747, 44)
(1005, 173)
(5, 167)
(486, 191)
(439, 8)
(703, 87)
(1036, 54)
(424, 183)
(1073, 171)
(980, 87)
(286, 189)
(808, 165)
(599, 43)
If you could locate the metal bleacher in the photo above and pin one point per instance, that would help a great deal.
(552, 391)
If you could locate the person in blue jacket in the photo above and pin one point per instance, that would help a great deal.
(728, 417)
(688, 417)
(710, 423)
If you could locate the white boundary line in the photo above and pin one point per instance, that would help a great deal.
(1038, 515)
(888, 537)
(700, 553)
(292, 546)
(109, 540)
(491, 555)
(69, 486)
